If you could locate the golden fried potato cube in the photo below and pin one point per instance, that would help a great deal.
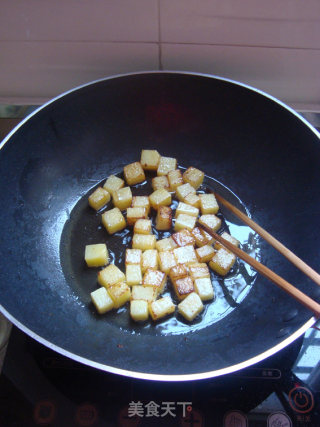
(110, 275)
(133, 173)
(199, 236)
(99, 198)
(113, 220)
(193, 176)
(184, 190)
(160, 182)
(205, 253)
(154, 278)
(166, 244)
(185, 255)
(150, 160)
(133, 274)
(184, 221)
(96, 255)
(199, 270)
(133, 256)
(184, 208)
(211, 221)
(231, 239)
(203, 287)
(164, 218)
(160, 197)
(175, 179)
(222, 261)
(183, 287)
(192, 200)
(133, 214)
(143, 241)
(139, 310)
(166, 261)
(102, 300)
(161, 308)
(141, 202)
(122, 198)
(113, 183)
(183, 238)
(120, 294)
(208, 204)
(166, 164)
(146, 293)
(191, 306)
(149, 259)
(178, 271)
(142, 226)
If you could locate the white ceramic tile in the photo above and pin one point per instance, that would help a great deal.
(292, 75)
(41, 70)
(286, 23)
(96, 20)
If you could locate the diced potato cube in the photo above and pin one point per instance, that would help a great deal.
(133, 214)
(99, 198)
(139, 310)
(150, 160)
(208, 204)
(133, 173)
(143, 241)
(211, 221)
(166, 261)
(113, 183)
(199, 270)
(193, 176)
(141, 202)
(183, 287)
(178, 271)
(160, 197)
(191, 306)
(113, 220)
(142, 226)
(122, 198)
(231, 239)
(185, 255)
(154, 278)
(204, 288)
(184, 208)
(161, 308)
(192, 200)
(110, 275)
(222, 261)
(205, 253)
(96, 255)
(149, 259)
(120, 294)
(183, 238)
(102, 300)
(166, 244)
(166, 164)
(146, 293)
(175, 179)
(184, 221)
(160, 182)
(183, 190)
(199, 236)
(164, 218)
(133, 274)
(133, 256)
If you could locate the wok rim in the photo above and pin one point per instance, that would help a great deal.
(141, 375)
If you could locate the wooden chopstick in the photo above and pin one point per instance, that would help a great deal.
(275, 278)
(305, 268)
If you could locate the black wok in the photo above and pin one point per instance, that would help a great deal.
(262, 152)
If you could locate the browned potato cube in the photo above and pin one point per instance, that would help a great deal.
(175, 179)
(143, 241)
(166, 261)
(155, 278)
(193, 176)
(183, 238)
(113, 220)
(205, 253)
(146, 293)
(222, 261)
(122, 198)
(149, 260)
(208, 204)
(160, 197)
(113, 183)
(133, 274)
(185, 255)
(204, 288)
(184, 221)
(199, 270)
(160, 182)
(231, 239)
(133, 256)
(199, 236)
(166, 244)
(178, 271)
(99, 198)
(133, 173)
(133, 214)
(161, 308)
(141, 202)
(191, 306)
(142, 226)
(184, 208)
(211, 221)
(164, 218)
(120, 294)
(150, 160)
(166, 164)
(184, 190)
(183, 287)
(102, 300)
(110, 275)
(192, 200)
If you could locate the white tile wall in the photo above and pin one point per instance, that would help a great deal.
(48, 47)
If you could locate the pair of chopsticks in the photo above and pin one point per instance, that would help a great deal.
(275, 278)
